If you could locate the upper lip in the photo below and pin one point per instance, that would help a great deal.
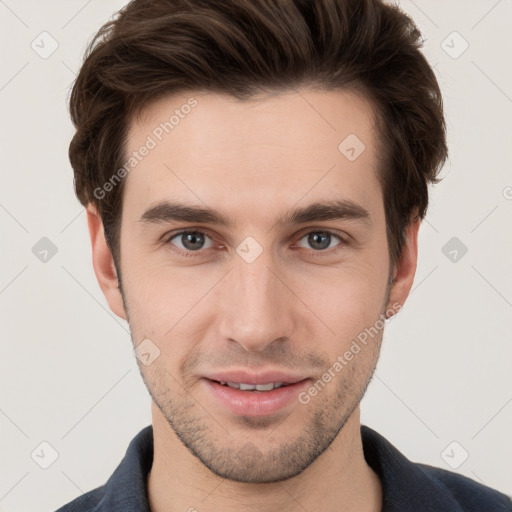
(262, 377)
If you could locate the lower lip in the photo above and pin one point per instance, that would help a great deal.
(255, 403)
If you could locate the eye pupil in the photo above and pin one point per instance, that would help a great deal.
(314, 238)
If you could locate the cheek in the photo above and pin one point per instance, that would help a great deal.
(359, 284)
(163, 301)
(348, 300)
(351, 307)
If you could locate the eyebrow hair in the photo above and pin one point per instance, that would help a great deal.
(166, 211)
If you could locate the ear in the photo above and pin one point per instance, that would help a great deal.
(405, 268)
(103, 263)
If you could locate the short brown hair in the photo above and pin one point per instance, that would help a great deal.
(152, 48)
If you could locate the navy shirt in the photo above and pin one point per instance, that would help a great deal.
(406, 486)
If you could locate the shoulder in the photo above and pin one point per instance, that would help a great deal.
(470, 495)
(86, 502)
(411, 486)
(125, 490)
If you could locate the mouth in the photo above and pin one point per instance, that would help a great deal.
(262, 398)
(242, 386)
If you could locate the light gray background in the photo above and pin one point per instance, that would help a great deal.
(67, 373)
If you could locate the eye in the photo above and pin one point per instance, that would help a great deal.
(321, 240)
(191, 240)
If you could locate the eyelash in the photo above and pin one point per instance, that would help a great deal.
(320, 253)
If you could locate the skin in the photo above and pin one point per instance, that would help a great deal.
(292, 308)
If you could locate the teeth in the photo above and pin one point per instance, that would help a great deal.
(265, 387)
(253, 387)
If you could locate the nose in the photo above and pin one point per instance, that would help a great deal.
(257, 310)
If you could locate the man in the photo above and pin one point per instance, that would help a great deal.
(255, 173)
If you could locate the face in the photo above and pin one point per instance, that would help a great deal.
(282, 268)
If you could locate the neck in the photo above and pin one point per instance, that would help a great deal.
(338, 480)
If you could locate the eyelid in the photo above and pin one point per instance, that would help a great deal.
(341, 236)
(345, 237)
(170, 236)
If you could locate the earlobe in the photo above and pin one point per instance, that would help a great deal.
(405, 268)
(103, 263)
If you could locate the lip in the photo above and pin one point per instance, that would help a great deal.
(255, 378)
(255, 403)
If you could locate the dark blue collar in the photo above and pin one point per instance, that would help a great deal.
(406, 486)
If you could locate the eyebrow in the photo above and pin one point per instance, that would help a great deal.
(166, 211)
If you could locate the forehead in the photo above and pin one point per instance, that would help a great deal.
(214, 149)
